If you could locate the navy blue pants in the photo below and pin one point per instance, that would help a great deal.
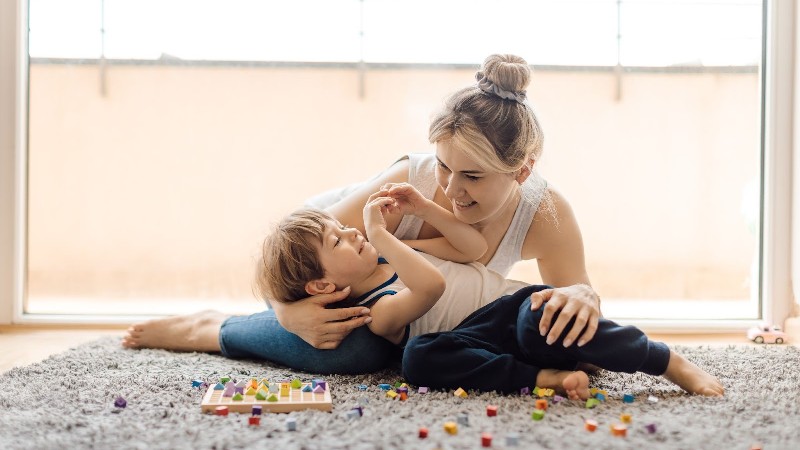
(499, 348)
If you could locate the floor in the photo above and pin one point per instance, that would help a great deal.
(23, 345)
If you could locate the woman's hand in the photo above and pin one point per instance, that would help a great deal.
(578, 301)
(322, 328)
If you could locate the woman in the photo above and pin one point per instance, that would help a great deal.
(487, 142)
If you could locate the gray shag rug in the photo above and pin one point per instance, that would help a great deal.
(67, 402)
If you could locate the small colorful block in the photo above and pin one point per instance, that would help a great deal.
(322, 384)
(590, 425)
(257, 410)
(254, 420)
(262, 395)
(120, 402)
(422, 390)
(651, 428)
(285, 389)
(535, 390)
(512, 440)
(272, 398)
(229, 391)
(652, 399)
(403, 396)
(541, 404)
(491, 410)
(591, 403)
(274, 388)
(219, 387)
(486, 439)
(362, 387)
(460, 393)
(384, 386)
(558, 399)
(391, 394)
(315, 381)
(537, 414)
(251, 391)
(353, 414)
(402, 389)
(544, 392)
(307, 388)
(451, 427)
(423, 433)
(627, 398)
(296, 384)
(619, 430)
(225, 379)
(221, 410)
(360, 410)
(237, 397)
(525, 391)
(197, 383)
(318, 390)
(291, 424)
(463, 419)
(625, 418)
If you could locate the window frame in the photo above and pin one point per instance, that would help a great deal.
(777, 87)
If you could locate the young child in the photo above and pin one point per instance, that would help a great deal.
(497, 347)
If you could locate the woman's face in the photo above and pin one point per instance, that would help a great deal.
(477, 196)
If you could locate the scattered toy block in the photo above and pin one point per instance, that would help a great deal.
(619, 430)
(535, 391)
(558, 399)
(486, 439)
(512, 440)
(652, 399)
(254, 420)
(360, 410)
(384, 386)
(291, 424)
(402, 389)
(391, 394)
(591, 403)
(225, 379)
(403, 396)
(120, 402)
(593, 391)
(398, 384)
(423, 433)
(525, 391)
(600, 397)
(545, 392)
(590, 425)
(460, 393)
(422, 390)
(537, 414)
(353, 414)
(256, 410)
(463, 419)
(219, 387)
(541, 404)
(197, 383)
(491, 410)
(627, 398)
(451, 427)
(651, 428)
(362, 387)
(221, 410)
(625, 418)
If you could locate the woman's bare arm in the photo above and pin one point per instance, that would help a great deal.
(554, 239)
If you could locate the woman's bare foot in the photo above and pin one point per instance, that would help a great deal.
(691, 378)
(197, 332)
(575, 384)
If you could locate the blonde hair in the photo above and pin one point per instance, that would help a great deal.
(289, 257)
(499, 133)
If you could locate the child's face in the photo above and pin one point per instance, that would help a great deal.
(346, 255)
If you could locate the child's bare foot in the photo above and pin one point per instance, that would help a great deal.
(691, 378)
(194, 332)
(575, 384)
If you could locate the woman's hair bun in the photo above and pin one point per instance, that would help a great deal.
(508, 72)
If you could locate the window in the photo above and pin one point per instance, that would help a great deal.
(165, 137)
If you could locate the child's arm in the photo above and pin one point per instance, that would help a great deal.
(460, 242)
(424, 282)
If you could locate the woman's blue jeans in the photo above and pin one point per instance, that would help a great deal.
(261, 336)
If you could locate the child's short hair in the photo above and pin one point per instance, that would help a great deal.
(289, 256)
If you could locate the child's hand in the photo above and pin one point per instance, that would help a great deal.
(407, 199)
(377, 205)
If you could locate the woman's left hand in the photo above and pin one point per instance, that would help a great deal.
(578, 301)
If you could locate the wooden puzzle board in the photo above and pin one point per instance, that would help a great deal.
(296, 400)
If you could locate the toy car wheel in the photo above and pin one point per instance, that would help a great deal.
(759, 340)
(779, 341)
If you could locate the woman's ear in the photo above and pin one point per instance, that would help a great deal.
(321, 286)
(525, 171)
